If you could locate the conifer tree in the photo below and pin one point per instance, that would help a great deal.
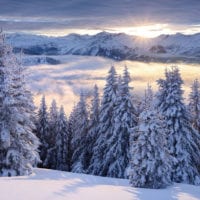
(62, 142)
(79, 135)
(116, 158)
(50, 161)
(148, 97)
(93, 125)
(71, 130)
(194, 113)
(53, 120)
(150, 159)
(106, 120)
(18, 143)
(182, 139)
(194, 105)
(43, 131)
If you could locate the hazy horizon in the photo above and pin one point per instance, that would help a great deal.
(83, 32)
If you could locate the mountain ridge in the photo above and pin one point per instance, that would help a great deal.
(117, 46)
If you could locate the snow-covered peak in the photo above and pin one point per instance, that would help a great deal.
(117, 46)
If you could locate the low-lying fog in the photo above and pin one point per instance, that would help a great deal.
(64, 82)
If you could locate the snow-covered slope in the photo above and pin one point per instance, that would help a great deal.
(57, 185)
(115, 46)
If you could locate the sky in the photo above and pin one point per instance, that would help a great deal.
(146, 18)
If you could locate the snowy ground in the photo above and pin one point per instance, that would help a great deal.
(57, 185)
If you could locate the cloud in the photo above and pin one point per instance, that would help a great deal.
(95, 14)
(62, 83)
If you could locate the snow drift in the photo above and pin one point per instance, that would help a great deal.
(57, 185)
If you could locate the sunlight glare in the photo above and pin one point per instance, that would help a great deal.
(146, 31)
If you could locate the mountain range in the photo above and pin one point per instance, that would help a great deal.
(164, 48)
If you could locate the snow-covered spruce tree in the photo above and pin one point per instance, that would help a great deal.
(150, 164)
(148, 97)
(62, 142)
(92, 126)
(50, 161)
(194, 112)
(116, 158)
(194, 105)
(53, 120)
(181, 137)
(79, 135)
(43, 134)
(106, 121)
(71, 130)
(18, 144)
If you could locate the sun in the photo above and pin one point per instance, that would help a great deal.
(146, 31)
